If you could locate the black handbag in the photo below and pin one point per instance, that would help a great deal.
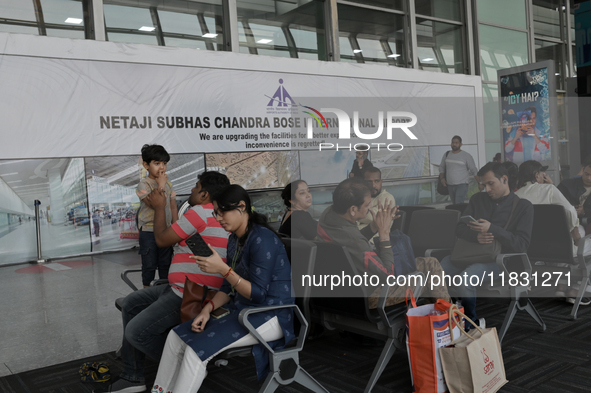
(441, 189)
(466, 253)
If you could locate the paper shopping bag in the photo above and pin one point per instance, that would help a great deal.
(425, 334)
(473, 363)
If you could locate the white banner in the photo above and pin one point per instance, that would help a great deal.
(54, 107)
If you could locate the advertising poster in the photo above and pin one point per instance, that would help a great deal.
(525, 112)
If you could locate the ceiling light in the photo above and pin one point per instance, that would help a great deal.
(74, 21)
(14, 181)
(147, 28)
(9, 174)
(427, 59)
(264, 41)
(209, 35)
(357, 51)
(394, 55)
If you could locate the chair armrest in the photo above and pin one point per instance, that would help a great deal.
(417, 290)
(523, 257)
(243, 319)
(430, 251)
(127, 280)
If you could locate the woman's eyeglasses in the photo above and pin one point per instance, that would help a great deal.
(218, 213)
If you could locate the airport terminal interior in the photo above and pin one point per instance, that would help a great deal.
(68, 225)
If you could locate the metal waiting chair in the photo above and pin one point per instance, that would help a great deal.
(347, 307)
(457, 206)
(551, 243)
(409, 210)
(433, 232)
(284, 364)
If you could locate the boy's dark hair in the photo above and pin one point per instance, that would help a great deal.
(154, 153)
(498, 169)
(212, 182)
(350, 192)
(532, 109)
(459, 138)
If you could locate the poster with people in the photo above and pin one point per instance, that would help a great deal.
(525, 112)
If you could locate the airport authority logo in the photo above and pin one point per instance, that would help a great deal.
(281, 102)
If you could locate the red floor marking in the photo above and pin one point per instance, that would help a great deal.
(35, 269)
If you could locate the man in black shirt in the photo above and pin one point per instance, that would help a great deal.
(492, 210)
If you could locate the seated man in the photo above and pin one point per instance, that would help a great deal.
(577, 189)
(492, 211)
(149, 313)
(338, 223)
(373, 177)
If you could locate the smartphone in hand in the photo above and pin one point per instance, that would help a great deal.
(198, 246)
(467, 219)
(219, 313)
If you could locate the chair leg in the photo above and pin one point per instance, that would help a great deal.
(580, 293)
(385, 357)
(531, 310)
(508, 318)
(303, 378)
(270, 385)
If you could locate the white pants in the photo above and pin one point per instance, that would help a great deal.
(180, 368)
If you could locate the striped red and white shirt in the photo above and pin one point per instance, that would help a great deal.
(196, 219)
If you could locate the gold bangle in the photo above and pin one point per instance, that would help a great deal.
(235, 285)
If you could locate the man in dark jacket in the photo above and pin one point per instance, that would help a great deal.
(492, 210)
(577, 190)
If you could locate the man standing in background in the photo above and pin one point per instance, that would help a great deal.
(455, 170)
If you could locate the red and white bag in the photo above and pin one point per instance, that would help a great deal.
(425, 334)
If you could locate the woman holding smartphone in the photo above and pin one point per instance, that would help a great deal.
(258, 274)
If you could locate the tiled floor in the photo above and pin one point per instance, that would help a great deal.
(62, 310)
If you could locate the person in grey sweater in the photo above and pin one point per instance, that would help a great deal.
(455, 170)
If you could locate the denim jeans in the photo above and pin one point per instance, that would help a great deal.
(148, 315)
(466, 291)
(457, 193)
(153, 257)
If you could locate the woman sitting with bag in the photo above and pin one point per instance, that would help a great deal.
(258, 274)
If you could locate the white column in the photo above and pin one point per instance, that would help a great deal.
(56, 197)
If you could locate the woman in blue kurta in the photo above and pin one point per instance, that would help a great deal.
(258, 274)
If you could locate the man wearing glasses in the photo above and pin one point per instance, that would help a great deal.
(148, 314)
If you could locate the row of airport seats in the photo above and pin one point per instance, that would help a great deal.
(432, 232)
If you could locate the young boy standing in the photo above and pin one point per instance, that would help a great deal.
(155, 158)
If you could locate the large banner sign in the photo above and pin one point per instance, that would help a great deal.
(52, 107)
(525, 115)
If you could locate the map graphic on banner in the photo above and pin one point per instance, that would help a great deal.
(526, 116)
